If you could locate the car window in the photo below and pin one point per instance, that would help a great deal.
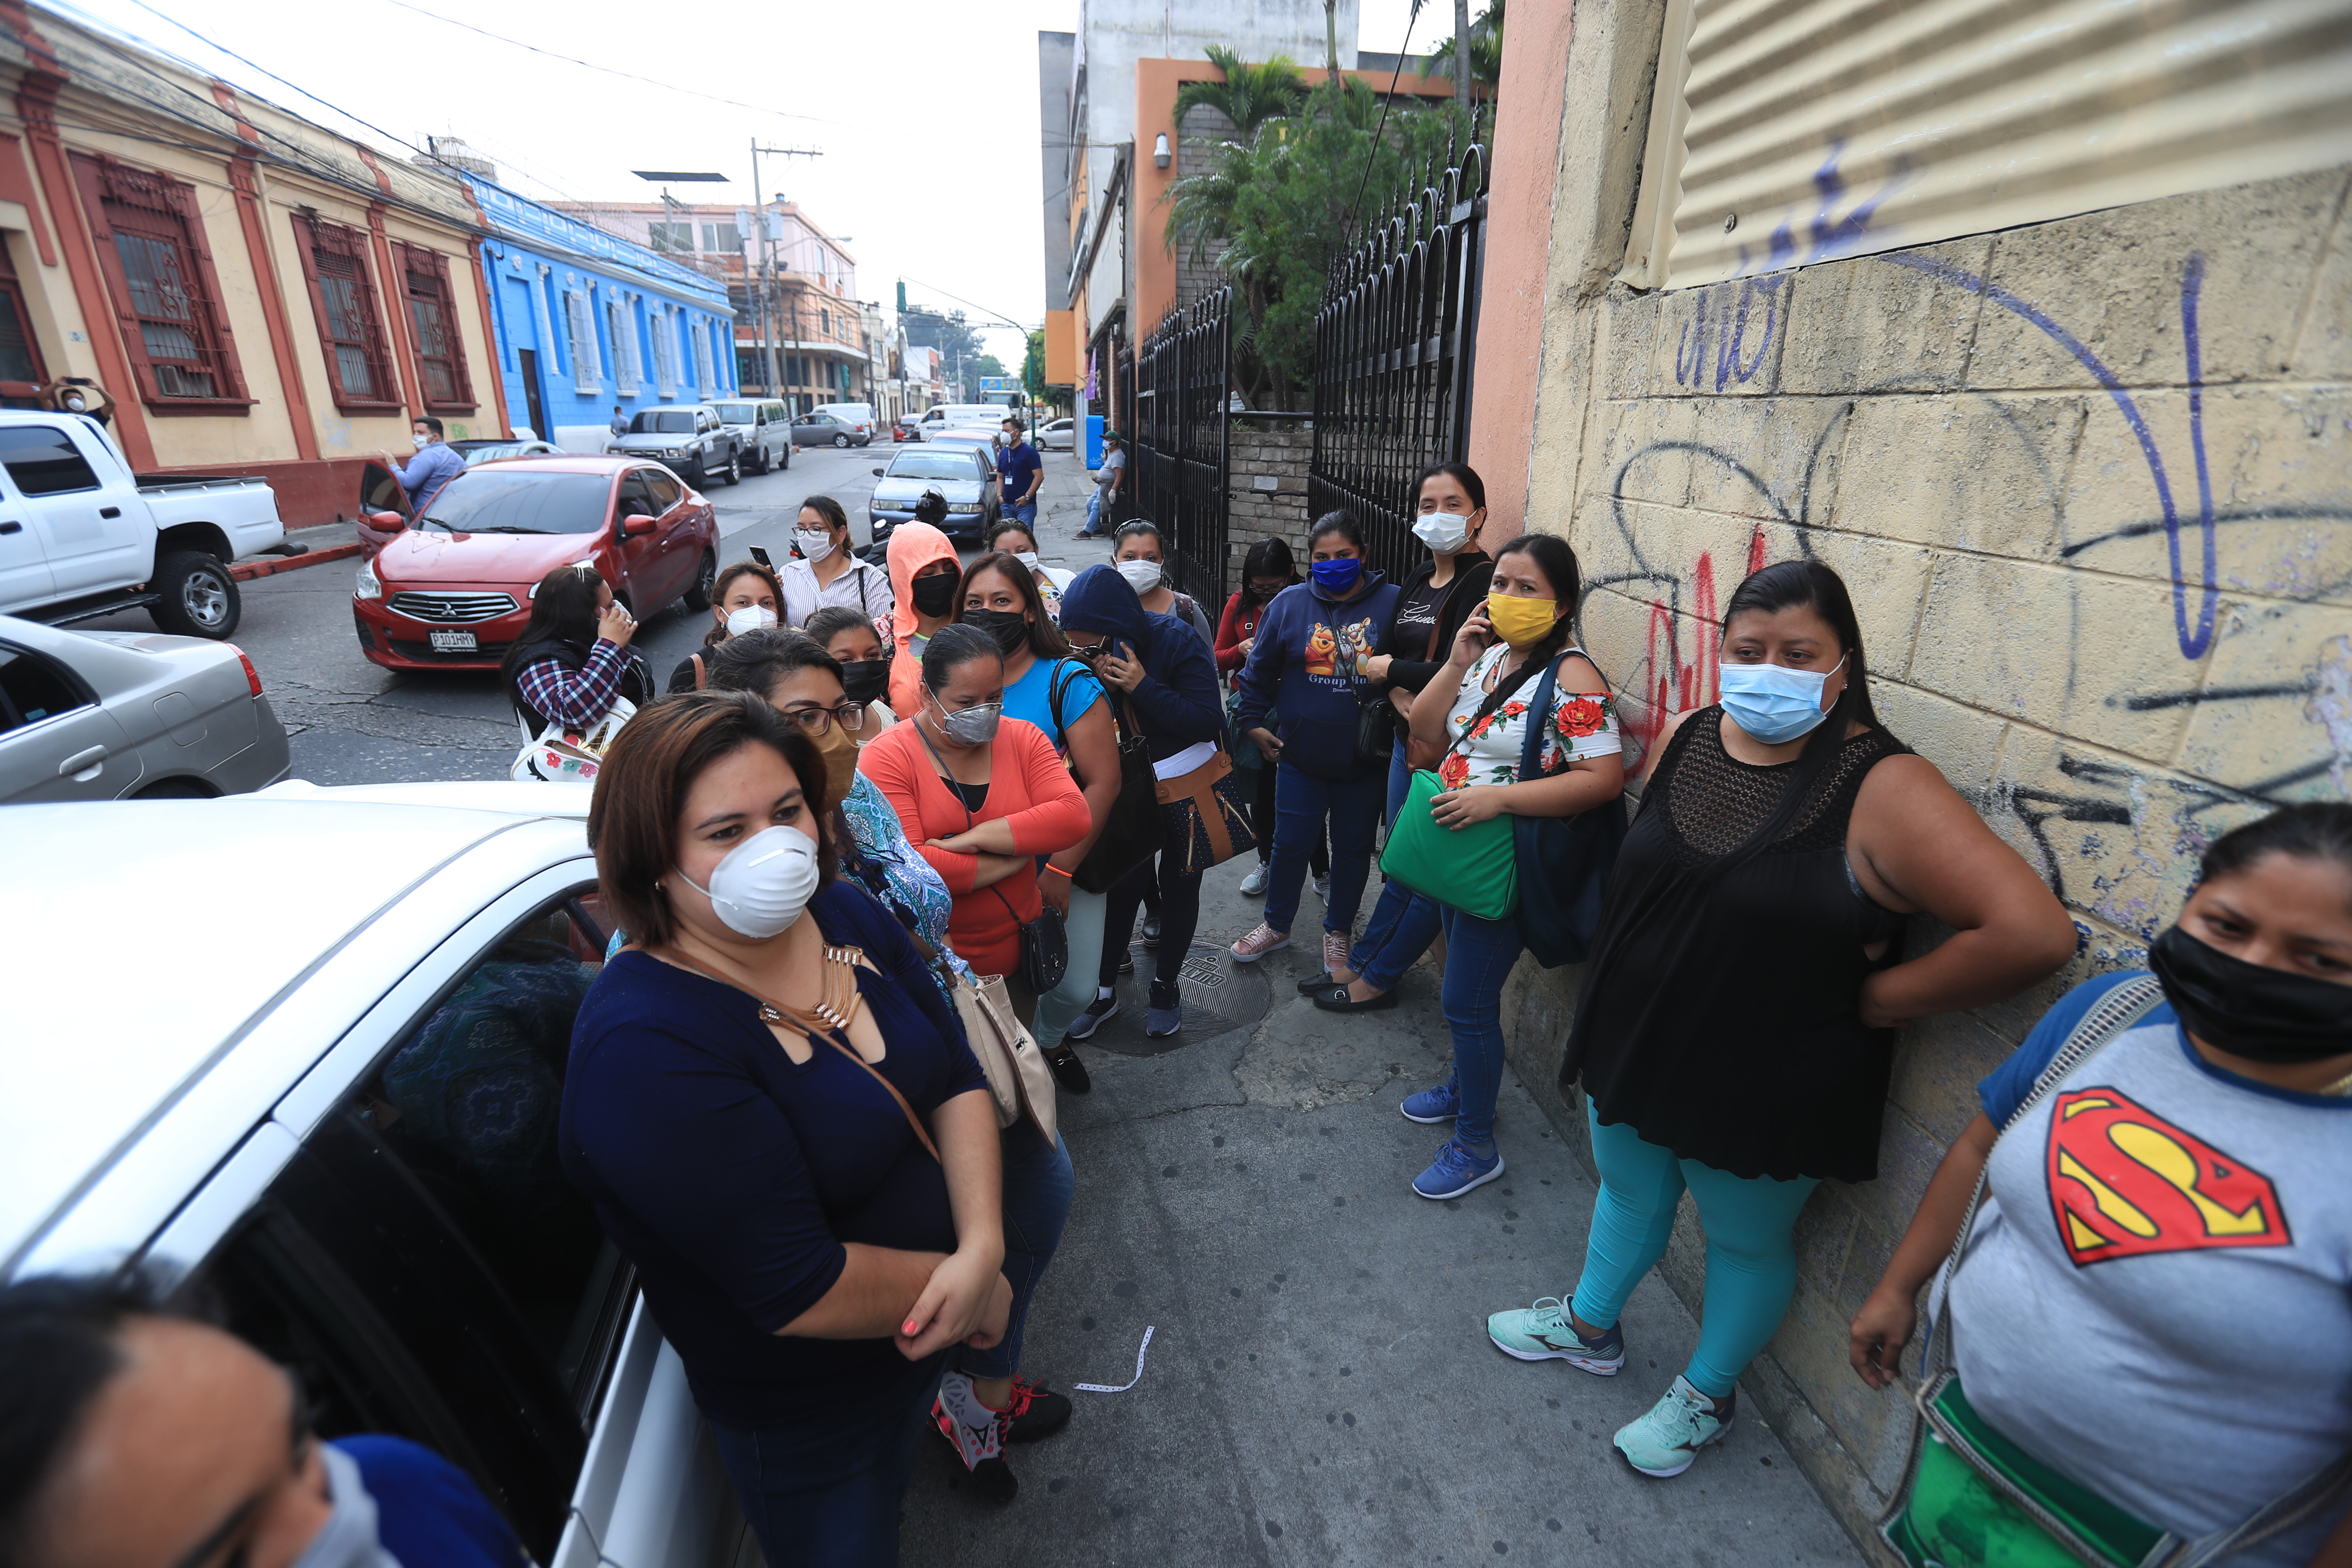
(422, 1267)
(42, 460)
(521, 500)
(662, 422)
(935, 464)
(666, 491)
(34, 688)
(636, 495)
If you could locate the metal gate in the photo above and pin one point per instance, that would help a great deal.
(1392, 359)
(1183, 371)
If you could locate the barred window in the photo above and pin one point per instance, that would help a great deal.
(432, 313)
(159, 274)
(350, 327)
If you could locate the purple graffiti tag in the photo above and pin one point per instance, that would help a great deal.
(1690, 353)
(2193, 642)
(1728, 365)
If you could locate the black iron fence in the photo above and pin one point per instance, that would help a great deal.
(1183, 371)
(1393, 358)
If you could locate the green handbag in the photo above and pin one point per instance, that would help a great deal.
(1475, 870)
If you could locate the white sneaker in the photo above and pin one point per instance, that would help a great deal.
(1254, 884)
(1323, 888)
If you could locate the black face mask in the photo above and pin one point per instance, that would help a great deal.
(2263, 1014)
(934, 595)
(862, 679)
(1009, 627)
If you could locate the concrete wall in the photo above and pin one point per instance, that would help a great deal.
(2003, 443)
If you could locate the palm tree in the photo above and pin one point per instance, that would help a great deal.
(1485, 48)
(1249, 96)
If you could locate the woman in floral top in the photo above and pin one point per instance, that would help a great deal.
(1478, 707)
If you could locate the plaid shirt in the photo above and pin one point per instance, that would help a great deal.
(577, 697)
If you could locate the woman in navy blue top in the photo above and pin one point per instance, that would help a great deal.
(808, 1248)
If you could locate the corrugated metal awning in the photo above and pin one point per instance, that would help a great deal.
(1788, 131)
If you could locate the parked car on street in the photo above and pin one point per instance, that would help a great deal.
(689, 438)
(303, 1125)
(102, 715)
(81, 536)
(763, 432)
(858, 416)
(906, 427)
(965, 475)
(452, 589)
(493, 451)
(822, 429)
(1057, 436)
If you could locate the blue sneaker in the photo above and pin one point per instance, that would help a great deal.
(1543, 1333)
(1455, 1171)
(1432, 1106)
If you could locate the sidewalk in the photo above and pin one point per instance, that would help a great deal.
(1320, 1389)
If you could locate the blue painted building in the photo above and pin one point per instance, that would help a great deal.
(585, 320)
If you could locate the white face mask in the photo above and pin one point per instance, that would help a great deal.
(815, 547)
(1443, 532)
(349, 1539)
(1142, 575)
(1028, 558)
(761, 885)
(423, 439)
(750, 618)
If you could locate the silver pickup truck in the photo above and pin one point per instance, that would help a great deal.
(82, 536)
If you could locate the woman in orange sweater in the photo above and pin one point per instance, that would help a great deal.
(981, 796)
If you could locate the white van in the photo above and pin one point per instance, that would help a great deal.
(963, 417)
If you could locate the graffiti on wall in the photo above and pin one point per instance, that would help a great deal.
(2112, 836)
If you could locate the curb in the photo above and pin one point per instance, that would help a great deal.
(246, 571)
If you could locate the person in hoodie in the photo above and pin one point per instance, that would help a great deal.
(1157, 666)
(924, 572)
(1306, 662)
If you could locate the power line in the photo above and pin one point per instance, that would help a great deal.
(608, 70)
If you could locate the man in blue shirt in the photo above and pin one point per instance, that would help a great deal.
(1020, 474)
(433, 465)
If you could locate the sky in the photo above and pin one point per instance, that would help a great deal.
(925, 112)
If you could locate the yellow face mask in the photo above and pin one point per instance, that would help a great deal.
(1520, 622)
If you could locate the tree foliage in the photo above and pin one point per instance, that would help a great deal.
(1486, 50)
(1250, 95)
(1273, 209)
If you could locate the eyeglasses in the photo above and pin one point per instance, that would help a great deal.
(1088, 651)
(814, 720)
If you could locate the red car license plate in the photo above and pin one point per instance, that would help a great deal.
(453, 642)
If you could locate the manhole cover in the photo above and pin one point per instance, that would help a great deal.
(1219, 997)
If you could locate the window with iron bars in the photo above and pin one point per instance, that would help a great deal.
(351, 328)
(432, 313)
(159, 275)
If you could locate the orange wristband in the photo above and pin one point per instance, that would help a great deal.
(1058, 872)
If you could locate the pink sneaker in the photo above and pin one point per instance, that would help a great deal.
(1336, 951)
(1258, 944)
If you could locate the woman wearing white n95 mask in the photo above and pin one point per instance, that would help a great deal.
(1140, 556)
(746, 596)
(774, 1112)
(827, 572)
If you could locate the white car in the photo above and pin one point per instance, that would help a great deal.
(1057, 436)
(329, 1093)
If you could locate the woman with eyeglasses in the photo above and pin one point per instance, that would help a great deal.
(981, 796)
(1045, 687)
(828, 571)
(803, 682)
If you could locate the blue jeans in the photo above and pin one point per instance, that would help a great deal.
(1038, 1186)
(1403, 922)
(1024, 512)
(1302, 803)
(825, 1492)
(1094, 512)
(1478, 959)
(1751, 1253)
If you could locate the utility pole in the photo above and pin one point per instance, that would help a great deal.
(1461, 55)
(765, 288)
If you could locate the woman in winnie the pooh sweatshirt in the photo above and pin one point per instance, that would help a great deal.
(1304, 664)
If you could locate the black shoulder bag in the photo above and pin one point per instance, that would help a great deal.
(1564, 862)
(1131, 833)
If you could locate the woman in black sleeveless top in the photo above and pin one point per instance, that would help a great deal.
(1737, 1026)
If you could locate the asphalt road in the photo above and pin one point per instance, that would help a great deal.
(353, 723)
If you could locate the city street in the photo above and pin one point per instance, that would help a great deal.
(353, 723)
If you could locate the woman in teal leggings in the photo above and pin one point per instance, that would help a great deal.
(1738, 1012)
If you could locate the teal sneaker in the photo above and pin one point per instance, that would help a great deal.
(1665, 1441)
(1543, 1333)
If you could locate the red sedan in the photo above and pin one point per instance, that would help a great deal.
(451, 590)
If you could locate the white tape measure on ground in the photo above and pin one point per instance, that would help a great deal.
(1122, 1388)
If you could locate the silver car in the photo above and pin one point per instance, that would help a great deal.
(964, 475)
(104, 715)
(762, 427)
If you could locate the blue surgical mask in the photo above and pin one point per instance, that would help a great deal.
(1337, 576)
(1772, 702)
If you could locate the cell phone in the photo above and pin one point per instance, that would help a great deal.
(760, 555)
